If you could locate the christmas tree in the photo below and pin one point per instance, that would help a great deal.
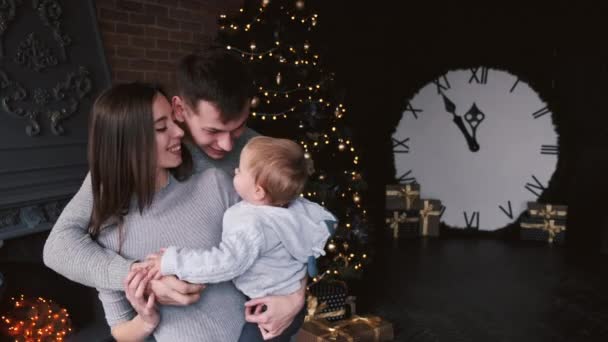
(298, 99)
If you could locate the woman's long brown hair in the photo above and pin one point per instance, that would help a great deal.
(122, 153)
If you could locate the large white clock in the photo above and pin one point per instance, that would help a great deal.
(481, 141)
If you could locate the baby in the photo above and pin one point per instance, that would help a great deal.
(268, 238)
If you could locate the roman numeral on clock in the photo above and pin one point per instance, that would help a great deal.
(481, 78)
(509, 212)
(541, 112)
(535, 188)
(549, 150)
(514, 85)
(442, 84)
(472, 221)
(406, 178)
(414, 111)
(401, 146)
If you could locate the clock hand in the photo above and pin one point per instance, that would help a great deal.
(474, 117)
(450, 107)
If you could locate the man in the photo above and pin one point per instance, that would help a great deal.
(212, 103)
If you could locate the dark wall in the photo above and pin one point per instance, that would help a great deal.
(144, 39)
(385, 51)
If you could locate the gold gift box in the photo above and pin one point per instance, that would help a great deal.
(357, 328)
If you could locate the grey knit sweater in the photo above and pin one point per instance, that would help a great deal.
(71, 252)
(185, 214)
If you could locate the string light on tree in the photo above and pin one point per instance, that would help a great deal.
(296, 98)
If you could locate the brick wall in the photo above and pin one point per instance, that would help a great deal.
(144, 39)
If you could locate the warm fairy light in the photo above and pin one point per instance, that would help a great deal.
(53, 326)
(297, 102)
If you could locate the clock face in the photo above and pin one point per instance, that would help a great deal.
(481, 141)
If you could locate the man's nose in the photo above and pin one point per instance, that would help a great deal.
(225, 142)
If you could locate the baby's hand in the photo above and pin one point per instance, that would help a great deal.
(154, 262)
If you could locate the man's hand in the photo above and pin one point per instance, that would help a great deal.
(280, 312)
(171, 291)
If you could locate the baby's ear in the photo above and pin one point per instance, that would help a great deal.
(260, 193)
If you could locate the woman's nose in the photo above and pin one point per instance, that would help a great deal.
(177, 131)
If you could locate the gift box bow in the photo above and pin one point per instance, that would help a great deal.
(397, 219)
(427, 210)
(548, 212)
(407, 192)
(549, 226)
(314, 308)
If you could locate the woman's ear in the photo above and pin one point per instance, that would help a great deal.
(178, 108)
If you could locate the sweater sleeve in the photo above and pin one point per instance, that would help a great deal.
(116, 307)
(235, 255)
(71, 252)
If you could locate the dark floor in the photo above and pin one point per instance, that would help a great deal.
(435, 290)
(487, 290)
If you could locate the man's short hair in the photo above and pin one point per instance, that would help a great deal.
(218, 76)
(278, 166)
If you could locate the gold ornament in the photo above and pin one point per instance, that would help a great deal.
(300, 4)
(255, 101)
(278, 78)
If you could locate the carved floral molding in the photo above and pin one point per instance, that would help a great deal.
(58, 103)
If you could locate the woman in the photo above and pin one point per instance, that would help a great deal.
(142, 201)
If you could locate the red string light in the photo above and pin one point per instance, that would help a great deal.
(36, 320)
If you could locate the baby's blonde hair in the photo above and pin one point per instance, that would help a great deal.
(278, 166)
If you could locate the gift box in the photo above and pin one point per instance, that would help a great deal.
(403, 223)
(403, 197)
(547, 211)
(537, 229)
(429, 217)
(357, 328)
(327, 299)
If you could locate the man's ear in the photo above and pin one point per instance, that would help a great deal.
(178, 108)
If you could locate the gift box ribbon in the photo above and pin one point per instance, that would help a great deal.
(397, 219)
(313, 307)
(336, 329)
(548, 212)
(425, 212)
(549, 226)
(407, 192)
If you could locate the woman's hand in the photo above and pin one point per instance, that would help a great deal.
(280, 312)
(135, 287)
(171, 291)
